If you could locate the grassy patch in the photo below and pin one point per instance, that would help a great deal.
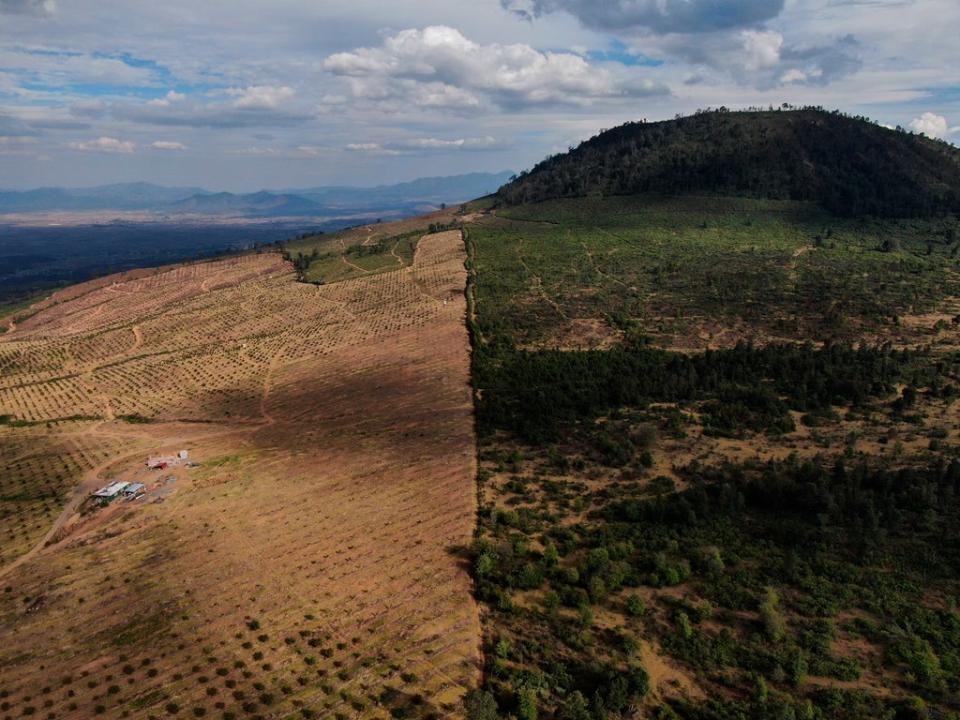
(666, 268)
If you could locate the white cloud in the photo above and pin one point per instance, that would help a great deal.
(417, 145)
(371, 148)
(168, 145)
(933, 125)
(105, 144)
(261, 97)
(171, 97)
(761, 48)
(764, 59)
(438, 67)
(431, 143)
(793, 76)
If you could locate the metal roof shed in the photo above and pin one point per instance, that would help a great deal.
(111, 490)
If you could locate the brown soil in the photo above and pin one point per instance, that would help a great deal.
(313, 560)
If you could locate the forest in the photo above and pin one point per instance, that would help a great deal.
(737, 499)
(847, 165)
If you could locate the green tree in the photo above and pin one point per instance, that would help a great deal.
(480, 705)
(774, 626)
(527, 709)
(636, 606)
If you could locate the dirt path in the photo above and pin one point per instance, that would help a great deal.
(597, 269)
(537, 285)
(348, 263)
(393, 251)
(792, 273)
(90, 482)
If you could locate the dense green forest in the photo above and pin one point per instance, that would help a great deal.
(847, 165)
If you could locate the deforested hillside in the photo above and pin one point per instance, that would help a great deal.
(299, 559)
(847, 165)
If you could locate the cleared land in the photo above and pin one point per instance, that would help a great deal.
(311, 565)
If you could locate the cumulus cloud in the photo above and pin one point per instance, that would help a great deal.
(27, 7)
(933, 125)
(658, 16)
(761, 48)
(438, 67)
(168, 145)
(261, 97)
(823, 63)
(764, 59)
(105, 144)
(171, 97)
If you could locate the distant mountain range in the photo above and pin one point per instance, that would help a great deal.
(413, 196)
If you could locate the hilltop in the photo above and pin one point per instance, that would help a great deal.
(847, 165)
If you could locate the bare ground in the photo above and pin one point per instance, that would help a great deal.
(313, 561)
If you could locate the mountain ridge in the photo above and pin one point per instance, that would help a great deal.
(305, 201)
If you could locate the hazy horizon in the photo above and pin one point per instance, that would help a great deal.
(252, 189)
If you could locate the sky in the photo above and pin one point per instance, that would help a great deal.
(248, 94)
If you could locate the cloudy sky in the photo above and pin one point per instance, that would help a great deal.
(246, 94)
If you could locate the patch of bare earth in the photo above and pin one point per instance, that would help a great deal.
(312, 561)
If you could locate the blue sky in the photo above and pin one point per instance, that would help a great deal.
(245, 94)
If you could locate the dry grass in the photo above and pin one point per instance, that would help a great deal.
(311, 562)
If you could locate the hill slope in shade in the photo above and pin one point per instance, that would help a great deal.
(847, 165)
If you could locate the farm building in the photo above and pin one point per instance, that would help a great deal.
(161, 462)
(110, 492)
(134, 490)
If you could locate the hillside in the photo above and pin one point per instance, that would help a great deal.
(848, 166)
(718, 434)
(302, 565)
(715, 442)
